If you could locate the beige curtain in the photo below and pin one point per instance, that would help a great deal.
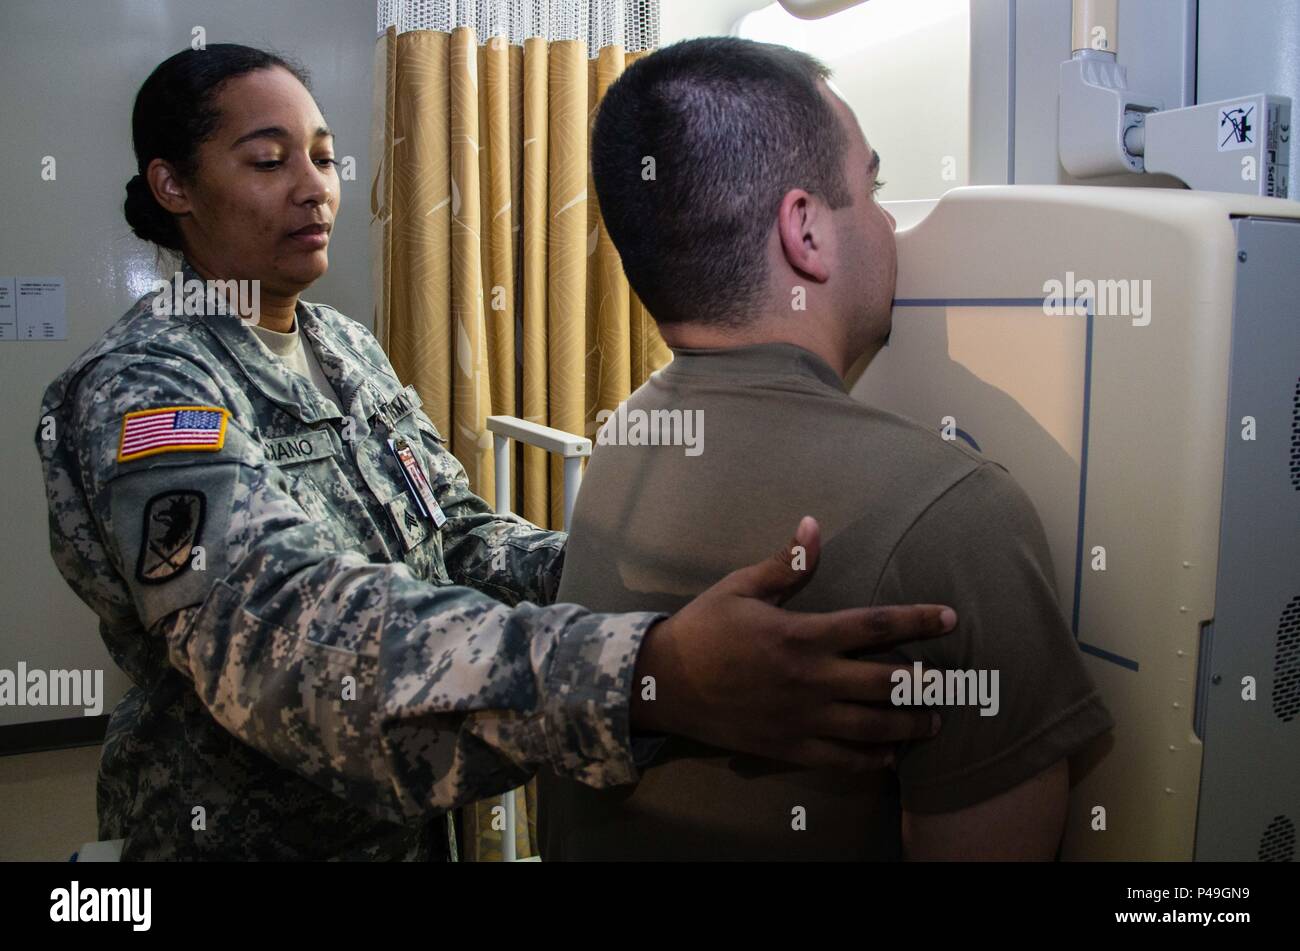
(497, 289)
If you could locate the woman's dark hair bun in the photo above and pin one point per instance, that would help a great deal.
(174, 114)
(149, 220)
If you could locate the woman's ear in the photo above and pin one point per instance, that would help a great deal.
(167, 187)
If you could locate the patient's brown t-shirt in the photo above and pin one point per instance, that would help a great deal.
(906, 517)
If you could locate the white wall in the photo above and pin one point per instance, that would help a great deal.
(685, 19)
(1245, 48)
(69, 72)
(904, 68)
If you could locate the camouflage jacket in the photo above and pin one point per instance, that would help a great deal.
(322, 666)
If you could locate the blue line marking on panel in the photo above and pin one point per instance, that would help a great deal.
(969, 302)
(1083, 475)
(1107, 655)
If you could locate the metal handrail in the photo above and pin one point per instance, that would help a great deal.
(572, 449)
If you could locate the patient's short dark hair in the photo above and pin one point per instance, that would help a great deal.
(732, 126)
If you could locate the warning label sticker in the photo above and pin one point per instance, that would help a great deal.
(1237, 127)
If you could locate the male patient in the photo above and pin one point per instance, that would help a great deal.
(740, 193)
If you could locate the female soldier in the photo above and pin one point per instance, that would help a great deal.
(332, 640)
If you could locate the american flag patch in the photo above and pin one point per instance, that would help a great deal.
(148, 432)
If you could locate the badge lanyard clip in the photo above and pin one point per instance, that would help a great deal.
(416, 481)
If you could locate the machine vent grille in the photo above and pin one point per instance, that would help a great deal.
(1277, 844)
(1295, 438)
(1286, 664)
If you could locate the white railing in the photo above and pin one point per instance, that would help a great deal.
(572, 449)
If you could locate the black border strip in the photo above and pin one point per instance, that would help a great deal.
(46, 735)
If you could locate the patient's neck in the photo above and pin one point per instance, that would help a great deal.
(693, 336)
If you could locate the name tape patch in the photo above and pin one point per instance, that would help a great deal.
(300, 447)
(148, 432)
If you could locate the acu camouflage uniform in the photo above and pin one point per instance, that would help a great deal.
(318, 567)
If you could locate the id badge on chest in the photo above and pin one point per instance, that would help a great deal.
(416, 481)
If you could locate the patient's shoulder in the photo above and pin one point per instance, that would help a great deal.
(902, 462)
(946, 445)
(981, 534)
(988, 495)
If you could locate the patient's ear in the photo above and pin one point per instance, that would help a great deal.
(803, 226)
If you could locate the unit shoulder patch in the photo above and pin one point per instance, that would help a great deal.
(172, 523)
